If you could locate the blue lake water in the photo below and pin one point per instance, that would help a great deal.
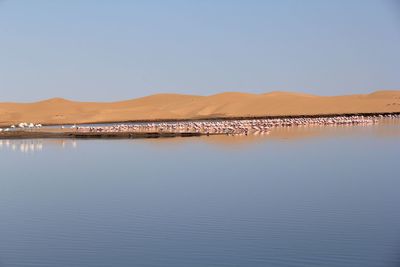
(297, 197)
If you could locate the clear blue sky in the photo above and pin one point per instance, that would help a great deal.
(113, 50)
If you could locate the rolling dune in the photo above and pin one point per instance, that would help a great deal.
(175, 106)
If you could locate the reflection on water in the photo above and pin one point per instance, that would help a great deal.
(35, 145)
(389, 128)
(297, 197)
(386, 128)
(24, 146)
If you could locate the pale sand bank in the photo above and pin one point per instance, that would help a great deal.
(178, 107)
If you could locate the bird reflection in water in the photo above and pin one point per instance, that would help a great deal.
(35, 145)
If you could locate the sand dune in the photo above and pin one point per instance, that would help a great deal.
(175, 106)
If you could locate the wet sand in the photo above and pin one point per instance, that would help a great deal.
(59, 133)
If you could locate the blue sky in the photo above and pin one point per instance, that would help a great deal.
(114, 50)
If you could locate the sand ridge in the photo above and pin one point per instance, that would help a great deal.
(176, 106)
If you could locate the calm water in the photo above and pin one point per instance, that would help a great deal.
(298, 197)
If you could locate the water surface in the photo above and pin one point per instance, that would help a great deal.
(296, 197)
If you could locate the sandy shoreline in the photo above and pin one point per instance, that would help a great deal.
(174, 107)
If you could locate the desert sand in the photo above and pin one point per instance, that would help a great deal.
(176, 107)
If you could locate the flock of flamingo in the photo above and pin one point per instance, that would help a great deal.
(22, 125)
(231, 127)
(212, 127)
